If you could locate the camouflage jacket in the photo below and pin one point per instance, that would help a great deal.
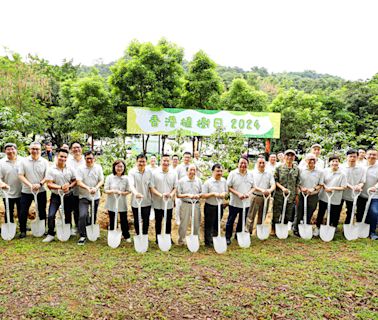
(289, 178)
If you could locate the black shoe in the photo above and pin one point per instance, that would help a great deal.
(22, 235)
(296, 233)
(81, 241)
(228, 241)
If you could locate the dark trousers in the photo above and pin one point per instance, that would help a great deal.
(25, 203)
(85, 218)
(145, 219)
(211, 222)
(373, 216)
(232, 214)
(54, 207)
(75, 209)
(124, 223)
(159, 216)
(312, 202)
(12, 202)
(361, 204)
(334, 217)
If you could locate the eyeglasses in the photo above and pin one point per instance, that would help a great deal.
(35, 149)
(90, 158)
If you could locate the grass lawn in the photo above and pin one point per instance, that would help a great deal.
(274, 279)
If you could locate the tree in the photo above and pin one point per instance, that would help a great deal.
(148, 75)
(203, 85)
(92, 103)
(242, 97)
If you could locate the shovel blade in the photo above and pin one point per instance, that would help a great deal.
(38, 228)
(282, 231)
(244, 239)
(350, 231)
(141, 243)
(164, 242)
(263, 231)
(327, 232)
(93, 232)
(8, 231)
(363, 229)
(63, 231)
(192, 243)
(305, 231)
(220, 244)
(114, 238)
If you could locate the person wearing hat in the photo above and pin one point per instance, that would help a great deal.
(310, 183)
(316, 150)
(287, 180)
(9, 178)
(356, 177)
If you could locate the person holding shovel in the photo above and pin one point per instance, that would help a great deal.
(264, 184)
(287, 180)
(240, 184)
(334, 181)
(140, 179)
(9, 180)
(189, 190)
(370, 186)
(32, 173)
(90, 178)
(214, 188)
(59, 177)
(310, 183)
(163, 189)
(117, 184)
(356, 177)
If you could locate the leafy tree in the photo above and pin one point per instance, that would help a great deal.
(242, 97)
(203, 85)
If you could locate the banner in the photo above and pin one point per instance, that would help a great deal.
(202, 122)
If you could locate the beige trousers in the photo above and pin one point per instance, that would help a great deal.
(186, 220)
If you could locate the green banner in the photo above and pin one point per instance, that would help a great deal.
(202, 122)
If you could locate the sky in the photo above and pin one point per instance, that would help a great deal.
(334, 37)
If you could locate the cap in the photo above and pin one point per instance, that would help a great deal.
(290, 151)
(9, 144)
(316, 145)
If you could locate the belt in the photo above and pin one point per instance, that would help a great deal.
(257, 195)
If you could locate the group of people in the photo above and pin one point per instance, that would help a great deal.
(156, 190)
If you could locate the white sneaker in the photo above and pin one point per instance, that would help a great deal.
(49, 238)
(128, 240)
(316, 232)
(73, 231)
(81, 241)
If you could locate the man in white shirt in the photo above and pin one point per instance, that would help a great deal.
(214, 188)
(264, 184)
(32, 173)
(90, 178)
(141, 181)
(59, 177)
(9, 180)
(240, 184)
(272, 163)
(361, 161)
(370, 186)
(75, 162)
(163, 188)
(356, 177)
(316, 150)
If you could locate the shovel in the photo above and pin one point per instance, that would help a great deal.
(263, 230)
(140, 240)
(63, 229)
(164, 240)
(220, 244)
(282, 230)
(192, 241)
(351, 229)
(244, 239)
(305, 230)
(327, 232)
(114, 236)
(363, 227)
(37, 226)
(93, 230)
(8, 229)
